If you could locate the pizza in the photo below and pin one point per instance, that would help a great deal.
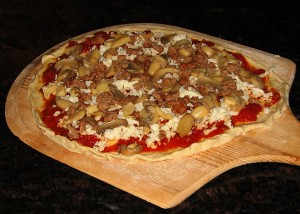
(150, 93)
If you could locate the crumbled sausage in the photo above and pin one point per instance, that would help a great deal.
(104, 100)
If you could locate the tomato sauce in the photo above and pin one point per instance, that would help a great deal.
(247, 114)
(52, 121)
(49, 75)
(88, 140)
(247, 65)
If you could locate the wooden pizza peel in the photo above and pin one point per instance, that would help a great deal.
(167, 183)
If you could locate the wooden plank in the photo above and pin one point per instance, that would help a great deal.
(167, 183)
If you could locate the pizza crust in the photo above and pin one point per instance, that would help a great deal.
(264, 120)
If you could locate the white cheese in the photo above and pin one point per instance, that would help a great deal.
(70, 98)
(100, 145)
(153, 136)
(219, 114)
(191, 92)
(127, 87)
(179, 37)
(139, 106)
(87, 91)
(170, 127)
(102, 49)
(125, 132)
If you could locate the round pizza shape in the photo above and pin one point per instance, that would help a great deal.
(150, 92)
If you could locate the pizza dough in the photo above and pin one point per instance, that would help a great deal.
(135, 89)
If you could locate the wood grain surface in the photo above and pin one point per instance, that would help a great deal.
(168, 183)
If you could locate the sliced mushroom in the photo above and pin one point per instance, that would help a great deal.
(208, 50)
(128, 108)
(166, 38)
(77, 116)
(110, 125)
(172, 89)
(149, 114)
(182, 42)
(83, 71)
(66, 64)
(94, 57)
(210, 101)
(141, 99)
(63, 104)
(184, 52)
(89, 120)
(65, 75)
(121, 41)
(162, 72)
(157, 63)
(235, 103)
(134, 68)
(202, 80)
(110, 72)
(131, 149)
(74, 50)
(110, 53)
(116, 92)
(162, 114)
(199, 112)
(185, 125)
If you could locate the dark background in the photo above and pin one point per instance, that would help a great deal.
(33, 183)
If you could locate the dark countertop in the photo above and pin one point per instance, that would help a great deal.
(34, 183)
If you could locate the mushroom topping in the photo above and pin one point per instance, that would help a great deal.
(202, 80)
(110, 125)
(131, 149)
(162, 72)
(134, 68)
(185, 125)
(128, 108)
(210, 101)
(116, 92)
(149, 114)
(172, 88)
(167, 38)
(120, 41)
(66, 75)
(63, 104)
(158, 63)
(89, 120)
(234, 103)
(200, 112)
(66, 64)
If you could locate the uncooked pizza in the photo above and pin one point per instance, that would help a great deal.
(150, 94)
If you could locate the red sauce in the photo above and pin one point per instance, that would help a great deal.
(88, 140)
(174, 143)
(87, 45)
(247, 114)
(72, 43)
(49, 75)
(103, 34)
(208, 43)
(276, 97)
(247, 65)
(52, 121)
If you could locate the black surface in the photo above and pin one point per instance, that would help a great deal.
(33, 183)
